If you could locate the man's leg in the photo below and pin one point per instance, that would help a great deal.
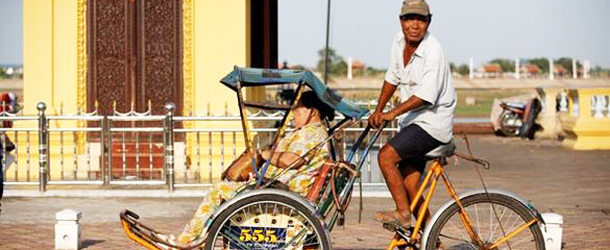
(388, 159)
(411, 183)
(411, 143)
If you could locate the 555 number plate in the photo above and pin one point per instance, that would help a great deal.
(258, 238)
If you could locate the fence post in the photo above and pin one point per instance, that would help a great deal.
(169, 145)
(104, 170)
(42, 146)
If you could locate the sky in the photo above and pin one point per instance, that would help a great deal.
(478, 29)
(11, 32)
(363, 29)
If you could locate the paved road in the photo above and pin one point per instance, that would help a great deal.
(571, 183)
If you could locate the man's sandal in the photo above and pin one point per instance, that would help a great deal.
(402, 219)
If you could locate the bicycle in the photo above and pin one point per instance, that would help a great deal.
(479, 219)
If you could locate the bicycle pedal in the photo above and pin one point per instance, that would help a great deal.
(389, 226)
(392, 227)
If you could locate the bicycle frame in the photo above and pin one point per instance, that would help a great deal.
(435, 172)
(346, 190)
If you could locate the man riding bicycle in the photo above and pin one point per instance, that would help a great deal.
(419, 68)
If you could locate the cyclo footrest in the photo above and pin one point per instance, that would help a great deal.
(146, 236)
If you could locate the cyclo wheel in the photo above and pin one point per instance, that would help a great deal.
(448, 231)
(269, 220)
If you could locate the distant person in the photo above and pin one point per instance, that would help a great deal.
(8, 103)
(418, 67)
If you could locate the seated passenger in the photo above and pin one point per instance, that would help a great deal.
(308, 132)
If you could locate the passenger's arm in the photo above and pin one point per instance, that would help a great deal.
(283, 159)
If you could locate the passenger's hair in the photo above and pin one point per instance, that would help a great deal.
(309, 99)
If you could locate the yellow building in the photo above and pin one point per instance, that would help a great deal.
(82, 56)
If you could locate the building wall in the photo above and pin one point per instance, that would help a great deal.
(216, 38)
(221, 41)
(50, 55)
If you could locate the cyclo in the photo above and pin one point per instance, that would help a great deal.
(265, 215)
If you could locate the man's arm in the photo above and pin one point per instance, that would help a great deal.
(412, 103)
(387, 91)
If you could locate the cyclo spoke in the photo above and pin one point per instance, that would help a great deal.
(494, 227)
(455, 238)
(459, 230)
(299, 235)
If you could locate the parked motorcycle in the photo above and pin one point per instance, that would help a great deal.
(518, 119)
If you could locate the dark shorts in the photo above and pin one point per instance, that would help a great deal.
(412, 143)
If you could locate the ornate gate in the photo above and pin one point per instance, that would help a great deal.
(135, 55)
(135, 65)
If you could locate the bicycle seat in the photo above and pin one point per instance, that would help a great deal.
(517, 105)
(444, 150)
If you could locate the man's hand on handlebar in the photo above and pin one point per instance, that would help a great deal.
(377, 119)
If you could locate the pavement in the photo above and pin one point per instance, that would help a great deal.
(554, 179)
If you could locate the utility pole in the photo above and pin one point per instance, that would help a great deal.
(326, 62)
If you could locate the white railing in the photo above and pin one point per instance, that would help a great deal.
(132, 148)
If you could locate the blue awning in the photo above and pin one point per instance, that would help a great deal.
(262, 77)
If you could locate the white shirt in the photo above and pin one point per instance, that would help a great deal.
(428, 77)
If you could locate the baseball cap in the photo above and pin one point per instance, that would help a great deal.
(419, 7)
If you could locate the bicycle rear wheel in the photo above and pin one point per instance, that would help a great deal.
(268, 221)
(448, 231)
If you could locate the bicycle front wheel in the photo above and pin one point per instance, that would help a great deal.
(268, 221)
(448, 231)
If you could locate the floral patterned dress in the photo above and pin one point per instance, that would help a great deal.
(299, 181)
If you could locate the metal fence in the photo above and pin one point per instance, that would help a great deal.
(140, 148)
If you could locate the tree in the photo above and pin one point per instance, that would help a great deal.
(566, 62)
(337, 66)
(599, 72)
(505, 64)
(462, 69)
(542, 63)
(372, 71)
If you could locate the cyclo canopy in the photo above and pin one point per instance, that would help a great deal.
(252, 77)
